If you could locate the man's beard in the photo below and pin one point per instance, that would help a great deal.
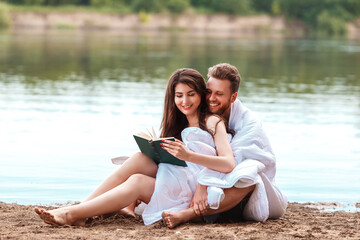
(221, 111)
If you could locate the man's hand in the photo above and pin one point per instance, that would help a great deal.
(199, 202)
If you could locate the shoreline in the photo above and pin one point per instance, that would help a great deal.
(302, 220)
(203, 24)
(220, 24)
(331, 206)
(197, 23)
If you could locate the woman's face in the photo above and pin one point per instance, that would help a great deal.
(187, 100)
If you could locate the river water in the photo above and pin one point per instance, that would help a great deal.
(70, 101)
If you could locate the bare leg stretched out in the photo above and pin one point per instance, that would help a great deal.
(138, 163)
(137, 186)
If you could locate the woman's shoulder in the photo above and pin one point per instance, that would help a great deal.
(194, 133)
(212, 120)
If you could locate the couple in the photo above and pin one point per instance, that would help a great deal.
(221, 174)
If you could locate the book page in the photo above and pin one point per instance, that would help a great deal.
(153, 133)
(144, 135)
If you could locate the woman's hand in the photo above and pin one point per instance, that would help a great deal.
(199, 202)
(176, 148)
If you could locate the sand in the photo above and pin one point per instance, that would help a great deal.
(302, 221)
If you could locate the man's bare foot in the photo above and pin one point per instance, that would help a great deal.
(80, 222)
(171, 219)
(56, 217)
(129, 210)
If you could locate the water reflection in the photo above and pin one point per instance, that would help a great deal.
(69, 101)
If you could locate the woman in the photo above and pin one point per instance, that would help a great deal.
(185, 106)
(202, 132)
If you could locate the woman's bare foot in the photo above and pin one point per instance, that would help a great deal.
(171, 219)
(56, 217)
(41, 213)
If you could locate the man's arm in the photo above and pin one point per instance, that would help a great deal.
(233, 196)
(199, 202)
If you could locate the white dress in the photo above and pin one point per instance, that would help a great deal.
(175, 185)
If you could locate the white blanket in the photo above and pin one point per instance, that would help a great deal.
(253, 154)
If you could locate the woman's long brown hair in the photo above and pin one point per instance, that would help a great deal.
(174, 121)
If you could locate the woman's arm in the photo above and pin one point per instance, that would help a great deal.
(224, 162)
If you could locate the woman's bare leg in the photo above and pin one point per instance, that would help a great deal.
(138, 186)
(233, 197)
(138, 163)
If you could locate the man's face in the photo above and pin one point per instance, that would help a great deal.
(219, 97)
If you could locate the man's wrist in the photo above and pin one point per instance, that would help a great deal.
(202, 186)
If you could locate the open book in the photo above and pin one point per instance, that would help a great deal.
(149, 144)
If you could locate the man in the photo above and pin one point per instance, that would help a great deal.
(255, 160)
(223, 84)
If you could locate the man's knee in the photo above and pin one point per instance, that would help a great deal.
(239, 191)
(249, 189)
(234, 195)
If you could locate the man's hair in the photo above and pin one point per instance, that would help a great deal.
(225, 71)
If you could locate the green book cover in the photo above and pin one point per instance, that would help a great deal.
(153, 149)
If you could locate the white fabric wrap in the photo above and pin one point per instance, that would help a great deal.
(255, 164)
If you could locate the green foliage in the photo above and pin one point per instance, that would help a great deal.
(328, 24)
(144, 16)
(101, 3)
(231, 6)
(5, 21)
(148, 5)
(117, 5)
(323, 15)
(326, 16)
(239, 7)
(177, 6)
(352, 6)
(275, 8)
(199, 3)
(61, 2)
(263, 6)
(26, 2)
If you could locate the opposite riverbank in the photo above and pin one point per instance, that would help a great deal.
(300, 221)
(226, 25)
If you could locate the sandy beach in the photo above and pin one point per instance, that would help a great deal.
(302, 221)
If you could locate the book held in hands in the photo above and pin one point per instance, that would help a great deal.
(149, 144)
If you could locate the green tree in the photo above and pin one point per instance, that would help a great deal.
(231, 6)
(329, 24)
(326, 16)
(26, 2)
(148, 5)
(5, 20)
(263, 6)
(177, 6)
(107, 3)
(275, 8)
